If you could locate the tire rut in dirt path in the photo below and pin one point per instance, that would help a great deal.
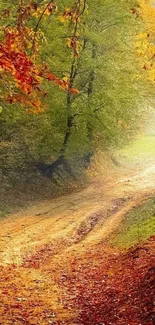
(44, 240)
(85, 216)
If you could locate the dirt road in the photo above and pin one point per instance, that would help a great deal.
(48, 236)
(85, 216)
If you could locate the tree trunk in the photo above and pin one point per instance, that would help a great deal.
(49, 169)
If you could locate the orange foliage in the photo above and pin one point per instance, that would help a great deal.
(21, 68)
(18, 68)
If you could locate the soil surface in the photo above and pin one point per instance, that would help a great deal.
(55, 264)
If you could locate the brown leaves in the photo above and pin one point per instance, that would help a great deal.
(114, 289)
(104, 287)
(5, 13)
(70, 15)
(73, 43)
(23, 301)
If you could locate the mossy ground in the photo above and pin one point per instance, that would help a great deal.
(136, 227)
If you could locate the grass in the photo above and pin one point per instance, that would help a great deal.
(137, 226)
(4, 212)
(144, 147)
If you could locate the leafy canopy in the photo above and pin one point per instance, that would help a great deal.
(145, 41)
(21, 72)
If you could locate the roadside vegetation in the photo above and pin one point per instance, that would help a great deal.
(140, 149)
(136, 226)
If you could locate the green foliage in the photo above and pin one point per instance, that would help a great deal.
(144, 147)
(136, 227)
(105, 116)
(4, 212)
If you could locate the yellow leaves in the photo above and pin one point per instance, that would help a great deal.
(144, 47)
(45, 9)
(70, 15)
(66, 78)
(51, 7)
(66, 16)
(151, 75)
(151, 51)
(139, 52)
(36, 13)
(72, 42)
(145, 41)
(68, 41)
(147, 13)
(73, 17)
(141, 41)
(142, 36)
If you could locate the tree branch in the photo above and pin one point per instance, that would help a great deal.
(38, 23)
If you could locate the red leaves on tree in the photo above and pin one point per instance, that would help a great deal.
(26, 75)
(74, 91)
(50, 77)
(20, 73)
(20, 67)
(62, 83)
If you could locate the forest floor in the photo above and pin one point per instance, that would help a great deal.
(57, 266)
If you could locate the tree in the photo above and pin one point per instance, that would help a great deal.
(92, 53)
(21, 75)
(145, 41)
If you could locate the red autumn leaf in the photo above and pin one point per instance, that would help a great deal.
(74, 91)
(50, 77)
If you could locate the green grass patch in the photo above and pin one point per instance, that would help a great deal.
(143, 147)
(4, 212)
(137, 226)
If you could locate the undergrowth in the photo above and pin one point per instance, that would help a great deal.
(137, 226)
(4, 212)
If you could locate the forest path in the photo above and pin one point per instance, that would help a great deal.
(78, 218)
(43, 249)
